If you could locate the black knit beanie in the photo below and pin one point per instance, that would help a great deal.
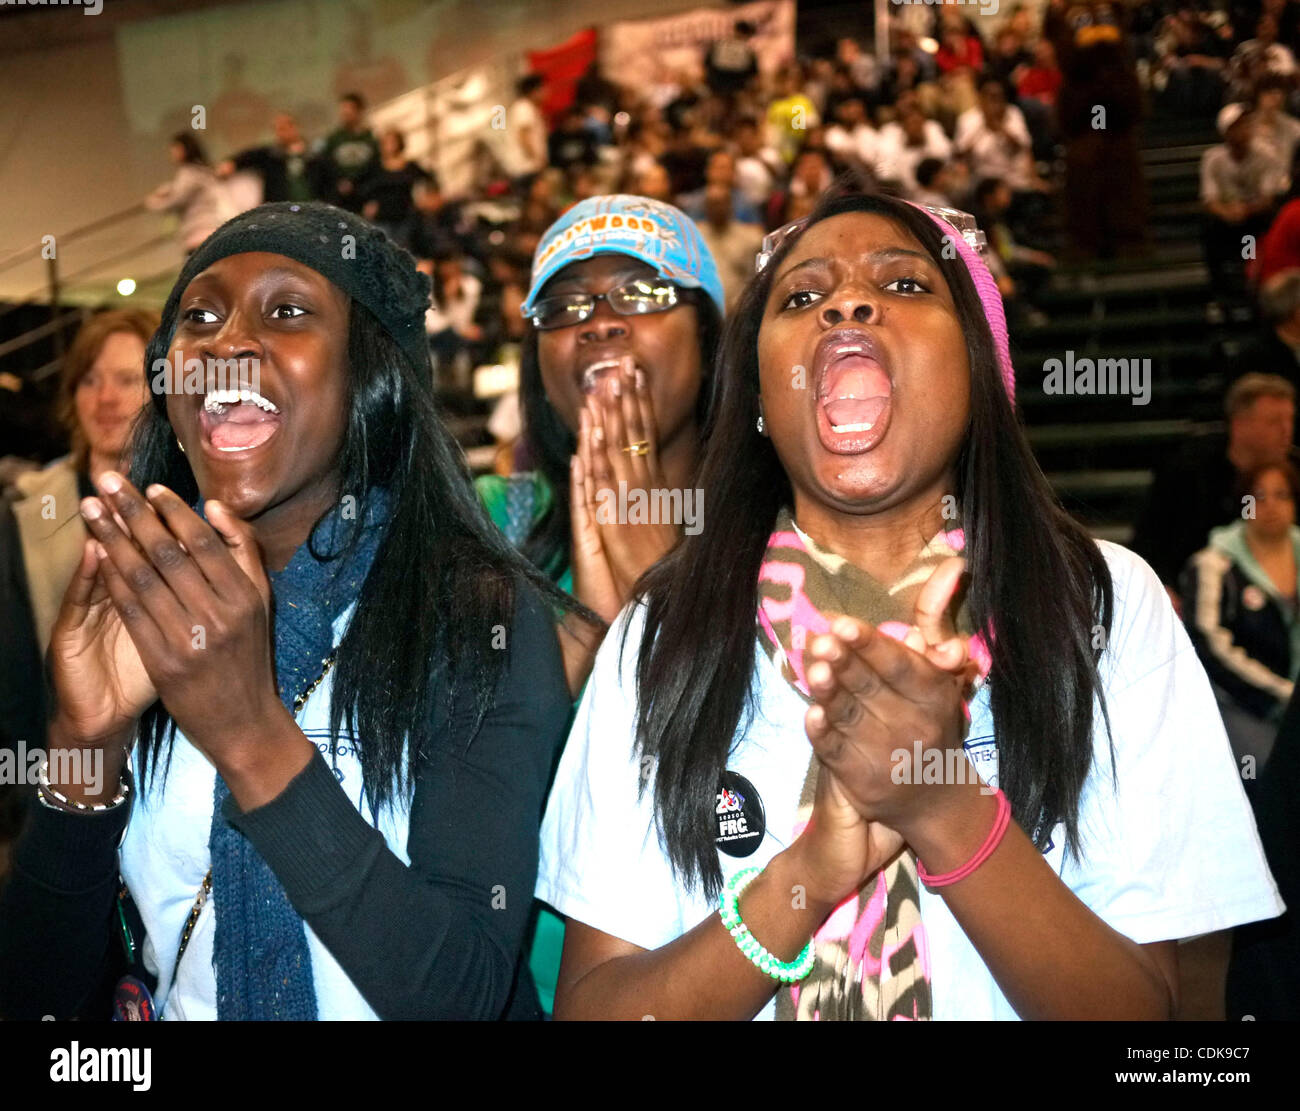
(353, 254)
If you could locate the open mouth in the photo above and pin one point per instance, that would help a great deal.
(854, 390)
(237, 420)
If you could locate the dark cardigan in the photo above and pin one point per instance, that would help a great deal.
(428, 941)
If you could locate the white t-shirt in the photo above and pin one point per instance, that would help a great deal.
(990, 151)
(1173, 854)
(164, 857)
(896, 161)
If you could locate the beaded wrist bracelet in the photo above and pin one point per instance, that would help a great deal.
(788, 972)
(45, 792)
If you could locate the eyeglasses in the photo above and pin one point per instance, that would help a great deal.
(634, 298)
(962, 222)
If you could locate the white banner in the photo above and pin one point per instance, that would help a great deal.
(646, 53)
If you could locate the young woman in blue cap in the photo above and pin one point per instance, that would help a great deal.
(617, 390)
(319, 694)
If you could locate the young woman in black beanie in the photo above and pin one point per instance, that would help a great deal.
(307, 697)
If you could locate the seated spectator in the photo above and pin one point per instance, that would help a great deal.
(721, 172)
(685, 158)
(193, 193)
(1279, 248)
(1027, 267)
(1240, 187)
(1191, 60)
(858, 64)
(1277, 132)
(645, 142)
(437, 226)
(758, 167)
(850, 139)
(388, 196)
(286, 167)
(734, 243)
(654, 182)
(994, 137)
(905, 143)
(1242, 612)
(937, 183)
(730, 63)
(1274, 347)
(1197, 489)
(521, 149)
(350, 155)
(959, 48)
(1010, 58)
(810, 177)
(790, 114)
(102, 388)
(1257, 58)
(571, 143)
(1040, 80)
(451, 319)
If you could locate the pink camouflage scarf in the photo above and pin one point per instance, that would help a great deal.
(871, 956)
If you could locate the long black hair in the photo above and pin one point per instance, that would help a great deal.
(442, 583)
(552, 445)
(1037, 581)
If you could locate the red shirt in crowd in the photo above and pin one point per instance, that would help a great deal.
(1280, 247)
(1040, 83)
(971, 54)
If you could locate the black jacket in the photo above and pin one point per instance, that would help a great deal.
(1239, 630)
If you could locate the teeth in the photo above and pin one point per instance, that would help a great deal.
(593, 372)
(217, 400)
(842, 429)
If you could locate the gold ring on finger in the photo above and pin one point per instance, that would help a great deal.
(641, 447)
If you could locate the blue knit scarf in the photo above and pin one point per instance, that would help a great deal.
(260, 953)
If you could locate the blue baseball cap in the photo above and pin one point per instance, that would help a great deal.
(658, 234)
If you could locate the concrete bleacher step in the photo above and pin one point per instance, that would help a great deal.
(1100, 453)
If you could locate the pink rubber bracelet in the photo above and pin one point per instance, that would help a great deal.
(991, 842)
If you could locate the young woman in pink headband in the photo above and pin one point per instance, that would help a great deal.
(892, 737)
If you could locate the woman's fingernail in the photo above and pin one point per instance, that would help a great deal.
(616, 387)
(100, 551)
(598, 434)
(640, 379)
(91, 509)
(155, 489)
(111, 481)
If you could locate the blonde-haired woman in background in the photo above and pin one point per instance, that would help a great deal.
(101, 391)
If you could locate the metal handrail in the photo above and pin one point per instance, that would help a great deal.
(29, 337)
(30, 298)
(29, 253)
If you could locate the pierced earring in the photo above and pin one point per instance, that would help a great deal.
(180, 445)
(761, 426)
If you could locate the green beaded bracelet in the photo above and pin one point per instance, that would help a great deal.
(788, 972)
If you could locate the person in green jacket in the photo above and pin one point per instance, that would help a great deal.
(616, 388)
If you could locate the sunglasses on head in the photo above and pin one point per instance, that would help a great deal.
(634, 298)
(962, 222)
